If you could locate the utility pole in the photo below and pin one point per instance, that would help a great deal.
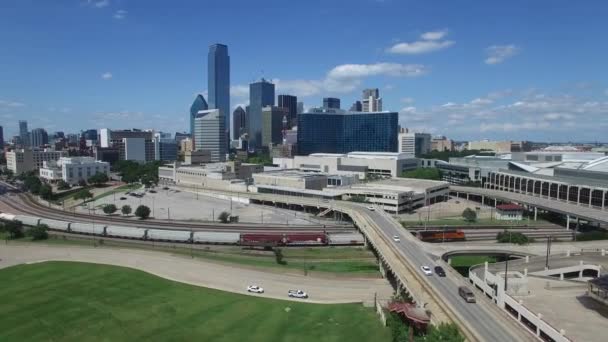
(506, 272)
(548, 251)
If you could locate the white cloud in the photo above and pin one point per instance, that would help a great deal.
(429, 42)
(434, 35)
(407, 100)
(345, 71)
(120, 14)
(11, 104)
(236, 91)
(98, 3)
(558, 116)
(106, 76)
(499, 53)
(511, 127)
(481, 101)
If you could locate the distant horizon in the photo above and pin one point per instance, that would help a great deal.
(504, 71)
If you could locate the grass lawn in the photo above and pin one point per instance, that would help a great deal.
(462, 263)
(65, 301)
(351, 260)
(122, 188)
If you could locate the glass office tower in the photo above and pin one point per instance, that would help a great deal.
(198, 105)
(291, 103)
(347, 132)
(218, 73)
(261, 94)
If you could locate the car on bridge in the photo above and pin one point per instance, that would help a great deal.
(466, 294)
(426, 270)
(297, 294)
(396, 238)
(439, 271)
(370, 208)
(255, 289)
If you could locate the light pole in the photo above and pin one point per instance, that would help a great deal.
(506, 272)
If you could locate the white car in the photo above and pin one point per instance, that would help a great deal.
(371, 208)
(426, 270)
(396, 238)
(297, 294)
(255, 289)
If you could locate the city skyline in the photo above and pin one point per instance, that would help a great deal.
(444, 75)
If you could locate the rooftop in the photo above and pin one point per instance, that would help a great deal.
(291, 173)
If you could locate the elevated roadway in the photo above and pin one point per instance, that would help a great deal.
(552, 205)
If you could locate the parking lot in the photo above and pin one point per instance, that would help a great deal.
(188, 205)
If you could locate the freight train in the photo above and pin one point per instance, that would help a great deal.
(188, 236)
(447, 235)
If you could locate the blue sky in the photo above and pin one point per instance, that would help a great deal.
(515, 69)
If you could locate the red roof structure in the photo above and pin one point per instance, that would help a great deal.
(509, 207)
(416, 316)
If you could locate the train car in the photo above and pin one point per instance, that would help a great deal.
(126, 232)
(56, 224)
(216, 238)
(336, 239)
(87, 228)
(169, 235)
(7, 217)
(441, 235)
(263, 239)
(305, 239)
(28, 220)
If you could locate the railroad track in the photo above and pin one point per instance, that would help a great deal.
(28, 206)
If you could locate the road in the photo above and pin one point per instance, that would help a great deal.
(204, 273)
(489, 323)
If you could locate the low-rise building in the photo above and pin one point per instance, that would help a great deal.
(232, 175)
(295, 179)
(509, 212)
(197, 157)
(442, 144)
(73, 169)
(363, 164)
(25, 160)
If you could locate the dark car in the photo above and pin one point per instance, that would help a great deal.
(123, 198)
(152, 191)
(439, 271)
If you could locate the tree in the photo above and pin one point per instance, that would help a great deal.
(469, 215)
(9, 174)
(39, 232)
(143, 212)
(83, 194)
(224, 217)
(447, 332)
(62, 185)
(14, 229)
(82, 183)
(278, 255)
(99, 178)
(46, 192)
(109, 209)
(423, 173)
(513, 237)
(126, 209)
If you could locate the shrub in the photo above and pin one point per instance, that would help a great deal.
(513, 237)
(14, 229)
(469, 215)
(278, 255)
(39, 232)
(62, 185)
(46, 192)
(224, 217)
(143, 212)
(109, 209)
(126, 209)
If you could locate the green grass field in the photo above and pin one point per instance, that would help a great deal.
(64, 301)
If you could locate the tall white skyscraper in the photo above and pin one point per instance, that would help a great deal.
(210, 134)
(371, 100)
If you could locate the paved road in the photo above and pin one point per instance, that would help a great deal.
(202, 273)
(488, 322)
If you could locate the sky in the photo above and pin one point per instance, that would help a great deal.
(517, 69)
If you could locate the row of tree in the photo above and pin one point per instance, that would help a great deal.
(133, 172)
(16, 230)
(142, 211)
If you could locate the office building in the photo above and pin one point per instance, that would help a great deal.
(73, 139)
(291, 103)
(133, 149)
(198, 105)
(218, 73)
(344, 132)
(230, 175)
(1, 138)
(39, 137)
(179, 136)
(23, 133)
(274, 121)
(415, 144)
(239, 122)
(90, 135)
(331, 103)
(106, 154)
(356, 107)
(165, 147)
(442, 144)
(261, 94)
(186, 145)
(371, 100)
(117, 140)
(209, 134)
(25, 160)
(73, 169)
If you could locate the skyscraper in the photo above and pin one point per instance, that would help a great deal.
(371, 100)
(261, 94)
(23, 133)
(344, 132)
(272, 125)
(1, 138)
(331, 103)
(218, 73)
(39, 137)
(198, 105)
(209, 134)
(239, 122)
(356, 107)
(289, 102)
